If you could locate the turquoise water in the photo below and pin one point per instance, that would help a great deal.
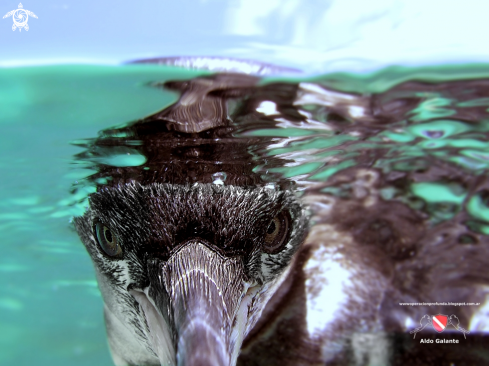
(51, 307)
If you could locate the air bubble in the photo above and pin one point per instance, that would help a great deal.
(271, 186)
(219, 178)
(433, 134)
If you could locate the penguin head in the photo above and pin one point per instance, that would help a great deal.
(186, 270)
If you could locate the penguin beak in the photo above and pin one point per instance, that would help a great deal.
(192, 304)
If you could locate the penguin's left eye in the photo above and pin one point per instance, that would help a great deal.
(107, 240)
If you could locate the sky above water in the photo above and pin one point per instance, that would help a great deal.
(315, 36)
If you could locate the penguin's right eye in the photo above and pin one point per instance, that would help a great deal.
(107, 240)
(277, 233)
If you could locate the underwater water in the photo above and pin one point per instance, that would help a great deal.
(413, 141)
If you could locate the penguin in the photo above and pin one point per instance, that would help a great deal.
(203, 260)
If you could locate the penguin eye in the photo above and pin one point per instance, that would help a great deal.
(277, 233)
(107, 240)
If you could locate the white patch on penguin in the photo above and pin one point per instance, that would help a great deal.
(325, 288)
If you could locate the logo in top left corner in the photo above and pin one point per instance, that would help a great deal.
(20, 17)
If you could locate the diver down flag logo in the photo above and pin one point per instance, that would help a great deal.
(439, 322)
